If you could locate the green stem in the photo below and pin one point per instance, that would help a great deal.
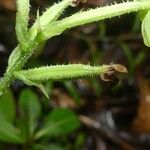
(93, 15)
(16, 61)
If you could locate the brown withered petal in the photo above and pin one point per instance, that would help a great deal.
(119, 68)
(112, 71)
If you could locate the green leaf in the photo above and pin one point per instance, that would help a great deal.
(30, 109)
(32, 83)
(8, 133)
(73, 91)
(145, 17)
(142, 13)
(45, 146)
(7, 106)
(146, 29)
(22, 18)
(59, 122)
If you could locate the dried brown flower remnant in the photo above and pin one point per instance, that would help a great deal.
(119, 68)
(112, 71)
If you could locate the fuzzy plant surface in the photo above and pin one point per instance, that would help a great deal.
(49, 25)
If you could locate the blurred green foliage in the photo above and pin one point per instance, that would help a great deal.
(27, 128)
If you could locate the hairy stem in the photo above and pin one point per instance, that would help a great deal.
(93, 15)
(16, 61)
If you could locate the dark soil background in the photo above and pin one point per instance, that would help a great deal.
(114, 115)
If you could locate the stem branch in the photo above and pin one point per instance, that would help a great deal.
(93, 15)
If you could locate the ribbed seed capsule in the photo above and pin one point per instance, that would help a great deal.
(67, 72)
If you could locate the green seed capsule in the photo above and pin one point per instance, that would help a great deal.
(60, 72)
